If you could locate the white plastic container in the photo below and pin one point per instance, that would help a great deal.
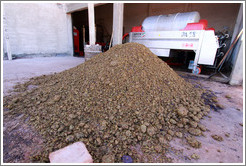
(170, 22)
(191, 65)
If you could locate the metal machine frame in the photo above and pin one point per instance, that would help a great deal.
(203, 42)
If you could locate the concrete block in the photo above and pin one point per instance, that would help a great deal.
(92, 50)
(75, 153)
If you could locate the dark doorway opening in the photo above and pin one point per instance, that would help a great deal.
(103, 26)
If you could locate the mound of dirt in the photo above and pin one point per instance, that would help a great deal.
(119, 100)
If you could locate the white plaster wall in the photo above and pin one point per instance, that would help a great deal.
(38, 28)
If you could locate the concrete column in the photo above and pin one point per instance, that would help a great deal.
(6, 41)
(118, 23)
(238, 26)
(92, 49)
(236, 77)
(91, 19)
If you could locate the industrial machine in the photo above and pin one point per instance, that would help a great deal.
(181, 31)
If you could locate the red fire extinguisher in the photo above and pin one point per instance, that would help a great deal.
(76, 39)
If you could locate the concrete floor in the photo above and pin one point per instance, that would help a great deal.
(20, 70)
(228, 120)
(222, 122)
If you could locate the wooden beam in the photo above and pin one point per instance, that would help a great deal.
(91, 18)
(118, 12)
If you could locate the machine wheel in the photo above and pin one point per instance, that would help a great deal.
(197, 70)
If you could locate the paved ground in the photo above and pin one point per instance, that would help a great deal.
(20, 70)
(226, 123)
(20, 140)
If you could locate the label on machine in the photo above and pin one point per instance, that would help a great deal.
(189, 34)
(142, 34)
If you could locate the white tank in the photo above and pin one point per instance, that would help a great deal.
(170, 22)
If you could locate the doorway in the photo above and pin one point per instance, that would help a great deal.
(103, 26)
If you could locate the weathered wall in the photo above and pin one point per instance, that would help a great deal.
(104, 18)
(38, 29)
